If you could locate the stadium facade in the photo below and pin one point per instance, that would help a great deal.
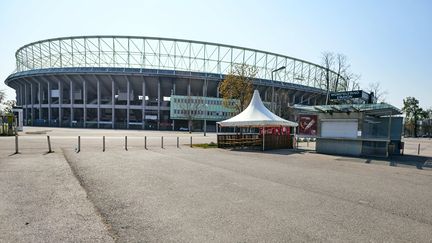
(149, 83)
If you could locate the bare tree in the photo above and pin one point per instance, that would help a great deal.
(328, 61)
(345, 79)
(379, 93)
(351, 81)
(342, 67)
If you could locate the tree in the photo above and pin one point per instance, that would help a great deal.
(345, 80)
(351, 81)
(413, 112)
(2, 96)
(427, 122)
(8, 105)
(328, 61)
(238, 85)
(378, 92)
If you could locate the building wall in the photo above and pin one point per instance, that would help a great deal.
(124, 100)
(339, 146)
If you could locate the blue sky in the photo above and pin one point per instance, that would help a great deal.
(386, 41)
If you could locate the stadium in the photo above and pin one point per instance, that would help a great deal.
(150, 83)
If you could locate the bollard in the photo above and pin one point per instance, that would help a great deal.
(162, 142)
(79, 144)
(418, 149)
(145, 142)
(103, 144)
(191, 142)
(16, 144)
(49, 144)
(307, 142)
(126, 143)
(178, 142)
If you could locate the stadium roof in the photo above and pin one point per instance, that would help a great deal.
(372, 109)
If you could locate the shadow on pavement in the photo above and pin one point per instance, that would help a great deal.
(418, 161)
(273, 151)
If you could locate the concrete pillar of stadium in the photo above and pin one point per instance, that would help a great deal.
(31, 103)
(143, 102)
(49, 102)
(71, 87)
(25, 104)
(112, 102)
(159, 102)
(98, 101)
(127, 102)
(173, 92)
(84, 84)
(60, 113)
(39, 99)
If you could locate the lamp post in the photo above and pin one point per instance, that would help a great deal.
(205, 117)
(273, 108)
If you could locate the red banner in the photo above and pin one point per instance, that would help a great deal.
(276, 130)
(308, 125)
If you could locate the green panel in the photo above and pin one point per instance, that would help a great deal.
(194, 108)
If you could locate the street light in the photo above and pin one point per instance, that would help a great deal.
(272, 99)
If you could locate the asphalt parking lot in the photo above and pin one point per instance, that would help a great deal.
(195, 195)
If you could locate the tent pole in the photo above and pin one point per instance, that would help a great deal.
(263, 134)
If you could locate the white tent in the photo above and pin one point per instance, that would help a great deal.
(256, 115)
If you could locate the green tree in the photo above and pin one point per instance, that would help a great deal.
(413, 113)
(427, 122)
(238, 85)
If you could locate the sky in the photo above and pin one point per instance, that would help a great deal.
(389, 42)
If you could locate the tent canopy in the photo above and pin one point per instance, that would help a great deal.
(256, 115)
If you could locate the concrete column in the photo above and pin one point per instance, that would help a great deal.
(49, 103)
(217, 92)
(174, 88)
(18, 97)
(84, 102)
(26, 103)
(60, 87)
(127, 102)
(112, 103)
(32, 103)
(39, 98)
(143, 102)
(159, 102)
(273, 105)
(98, 100)
(173, 93)
(189, 88)
(71, 101)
